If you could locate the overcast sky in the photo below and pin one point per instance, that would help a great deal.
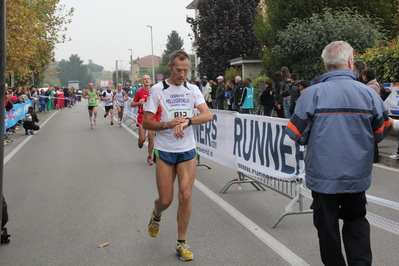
(105, 30)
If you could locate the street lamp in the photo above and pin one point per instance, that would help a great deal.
(121, 73)
(131, 66)
(152, 59)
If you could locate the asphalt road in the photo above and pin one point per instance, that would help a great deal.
(70, 188)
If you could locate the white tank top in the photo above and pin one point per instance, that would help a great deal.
(119, 96)
(108, 95)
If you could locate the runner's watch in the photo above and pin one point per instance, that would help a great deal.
(189, 121)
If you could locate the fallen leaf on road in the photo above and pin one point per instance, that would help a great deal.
(103, 245)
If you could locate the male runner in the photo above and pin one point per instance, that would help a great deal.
(120, 97)
(91, 96)
(140, 100)
(175, 144)
(108, 98)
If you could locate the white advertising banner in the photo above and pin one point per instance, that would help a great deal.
(130, 111)
(392, 101)
(254, 145)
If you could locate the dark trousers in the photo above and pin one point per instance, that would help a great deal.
(376, 153)
(280, 112)
(292, 108)
(220, 104)
(267, 110)
(31, 126)
(398, 145)
(351, 208)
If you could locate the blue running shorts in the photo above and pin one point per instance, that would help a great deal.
(175, 157)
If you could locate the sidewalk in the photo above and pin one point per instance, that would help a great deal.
(387, 147)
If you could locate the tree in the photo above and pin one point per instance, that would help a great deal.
(276, 15)
(106, 75)
(279, 13)
(384, 60)
(22, 39)
(223, 31)
(302, 42)
(33, 29)
(174, 43)
(94, 67)
(74, 69)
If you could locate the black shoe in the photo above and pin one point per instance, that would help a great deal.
(32, 132)
(4, 236)
(26, 133)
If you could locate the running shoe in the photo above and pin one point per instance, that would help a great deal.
(105, 115)
(140, 144)
(92, 126)
(150, 161)
(394, 156)
(26, 133)
(183, 251)
(32, 132)
(112, 122)
(153, 226)
(95, 121)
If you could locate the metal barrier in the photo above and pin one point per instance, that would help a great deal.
(296, 192)
(133, 121)
(130, 113)
(289, 189)
(376, 220)
(201, 164)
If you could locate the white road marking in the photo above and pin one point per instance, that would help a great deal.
(275, 245)
(14, 151)
(386, 167)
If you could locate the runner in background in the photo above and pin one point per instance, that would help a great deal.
(107, 96)
(91, 96)
(140, 100)
(120, 97)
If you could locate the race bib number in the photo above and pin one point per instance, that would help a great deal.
(184, 112)
(91, 100)
(144, 105)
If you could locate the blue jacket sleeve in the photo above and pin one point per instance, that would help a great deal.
(300, 125)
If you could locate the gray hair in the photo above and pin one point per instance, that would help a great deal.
(238, 78)
(182, 55)
(337, 54)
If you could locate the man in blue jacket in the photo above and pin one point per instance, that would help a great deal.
(339, 119)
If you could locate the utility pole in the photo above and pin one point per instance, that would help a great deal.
(152, 56)
(116, 74)
(121, 73)
(131, 66)
(2, 93)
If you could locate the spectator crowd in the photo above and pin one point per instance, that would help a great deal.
(43, 100)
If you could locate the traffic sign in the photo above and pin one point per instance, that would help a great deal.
(160, 76)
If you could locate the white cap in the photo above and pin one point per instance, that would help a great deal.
(220, 77)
